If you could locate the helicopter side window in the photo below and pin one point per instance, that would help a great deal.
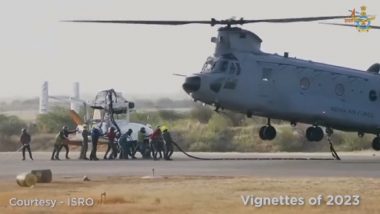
(372, 95)
(238, 69)
(266, 75)
(232, 68)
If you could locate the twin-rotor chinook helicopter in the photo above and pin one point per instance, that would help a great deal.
(242, 78)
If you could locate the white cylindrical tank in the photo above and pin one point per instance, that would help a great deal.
(74, 104)
(44, 98)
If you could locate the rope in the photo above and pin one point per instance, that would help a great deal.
(262, 158)
(332, 149)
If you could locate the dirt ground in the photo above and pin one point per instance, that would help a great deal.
(191, 195)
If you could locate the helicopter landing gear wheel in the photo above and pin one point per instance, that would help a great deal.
(376, 143)
(267, 132)
(261, 133)
(314, 133)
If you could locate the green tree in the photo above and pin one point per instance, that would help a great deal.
(10, 125)
(54, 120)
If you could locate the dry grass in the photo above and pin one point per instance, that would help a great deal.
(193, 194)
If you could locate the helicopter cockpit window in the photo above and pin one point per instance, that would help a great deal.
(232, 68)
(223, 66)
(238, 69)
(208, 66)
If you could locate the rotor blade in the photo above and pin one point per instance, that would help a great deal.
(211, 22)
(302, 19)
(348, 25)
(180, 75)
(144, 22)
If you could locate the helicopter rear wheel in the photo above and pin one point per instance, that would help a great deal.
(314, 133)
(376, 143)
(267, 132)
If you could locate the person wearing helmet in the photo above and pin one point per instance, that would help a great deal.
(95, 135)
(64, 134)
(59, 140)
(168, 143)
(83, 152)
(25, 142)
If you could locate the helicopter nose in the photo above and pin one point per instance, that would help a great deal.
(192, 84)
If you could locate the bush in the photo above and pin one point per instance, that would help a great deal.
(218, 123)
(146, 118)
(351, 142)
(237, 119)
(289, 140)
(201, 113)
(53, 121)
(10, 125)
(169, 115)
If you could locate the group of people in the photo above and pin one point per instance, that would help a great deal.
(61, 141)
(155, 146)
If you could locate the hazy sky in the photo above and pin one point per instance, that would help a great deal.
(35, 46)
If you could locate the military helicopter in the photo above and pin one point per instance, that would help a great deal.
(240, 77)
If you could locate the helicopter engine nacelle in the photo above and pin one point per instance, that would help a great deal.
(231, 39)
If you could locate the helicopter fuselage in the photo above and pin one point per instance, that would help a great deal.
(242, 78)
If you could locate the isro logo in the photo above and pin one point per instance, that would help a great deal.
(361, 20)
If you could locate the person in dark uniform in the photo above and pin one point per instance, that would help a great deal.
(83, 151)
(25, 140)
(131, 144)
(168, 143)
(125, 144)
(65, 132)
(95, 135)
